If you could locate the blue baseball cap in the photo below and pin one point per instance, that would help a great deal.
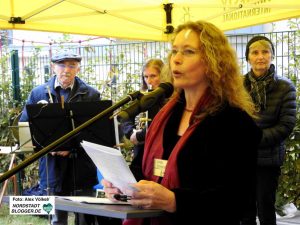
(65, 55)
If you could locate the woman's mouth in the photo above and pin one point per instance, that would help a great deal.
(176, 73)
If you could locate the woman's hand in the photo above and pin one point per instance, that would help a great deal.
(152, 195)
(60, 153)
(133, 139)
(109, 189)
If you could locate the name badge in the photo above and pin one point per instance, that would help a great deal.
(159, 167)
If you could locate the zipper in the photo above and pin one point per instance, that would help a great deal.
(76, 94)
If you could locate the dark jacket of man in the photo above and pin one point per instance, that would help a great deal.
(77, 172)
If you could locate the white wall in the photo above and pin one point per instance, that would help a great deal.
(264, 28)
(47, 37)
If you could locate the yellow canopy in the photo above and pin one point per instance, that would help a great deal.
(139, 19)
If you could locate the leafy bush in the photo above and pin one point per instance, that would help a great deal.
(289, 181)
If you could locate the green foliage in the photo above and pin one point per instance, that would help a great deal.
(289, 181)
(6, 136)
(126, 149)
(6, 218)
(10, 109)
(29, 73)
(7, 106)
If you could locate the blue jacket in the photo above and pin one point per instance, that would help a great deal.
(65, 174)
(80, 93)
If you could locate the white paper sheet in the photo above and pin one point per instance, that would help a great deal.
(111, 164)
(25, 137)
(92, 200)
(7, 149)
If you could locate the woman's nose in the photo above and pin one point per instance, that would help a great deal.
(177, 58)
(260, 55)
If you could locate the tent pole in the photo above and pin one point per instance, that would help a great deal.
(168, 9)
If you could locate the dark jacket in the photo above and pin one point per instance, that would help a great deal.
(128, 126)
(276, 121)
(66, 174)
(216, 167)
(80, 93)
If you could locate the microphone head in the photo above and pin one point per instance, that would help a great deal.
(130, 112)
(123, 116)
(164, 90)
(146, 101)
(168, 88)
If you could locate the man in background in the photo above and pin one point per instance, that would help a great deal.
(68, 171)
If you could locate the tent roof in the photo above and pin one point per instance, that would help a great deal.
(138, 19)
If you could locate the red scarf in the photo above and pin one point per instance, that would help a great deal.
(154, 150)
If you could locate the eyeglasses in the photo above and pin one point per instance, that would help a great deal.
(63, 66)
(188, 52)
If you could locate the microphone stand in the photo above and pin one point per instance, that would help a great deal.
(67, 136)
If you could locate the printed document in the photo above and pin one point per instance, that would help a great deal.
(92, 200)
(111, 164)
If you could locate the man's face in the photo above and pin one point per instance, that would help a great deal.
(66, 72)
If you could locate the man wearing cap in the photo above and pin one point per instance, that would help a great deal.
(64, 86)
(275, 100)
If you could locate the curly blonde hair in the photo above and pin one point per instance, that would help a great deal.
(223, 72)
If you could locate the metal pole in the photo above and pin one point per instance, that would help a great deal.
(68, 136)
(15, 75)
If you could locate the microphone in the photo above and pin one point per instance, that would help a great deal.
(164, 90)
(132, 110)
(146, 101)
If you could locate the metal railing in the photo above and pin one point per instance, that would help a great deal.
(116, 69)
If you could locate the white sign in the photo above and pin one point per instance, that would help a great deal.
(32, 205)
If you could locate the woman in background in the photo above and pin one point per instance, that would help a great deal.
(151, 78)
(275, 102)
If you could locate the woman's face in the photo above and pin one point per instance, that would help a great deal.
(151, 77)
(187, 64)
(260, 58)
